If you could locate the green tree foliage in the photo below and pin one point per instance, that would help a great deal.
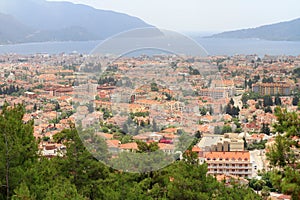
(296, 72)
(63, 189)
(285, 177)
(231, 101)
(217, 130)
(265, 129)
(193, 71)
(257, 145)
(267, 101)
(107, 81)
(232, 110)
(277, 101)
(154, 87)
(295, 101)
(203, 110)
(143, 147)
(288, 122)
(22, 193)
(18, 148)
(268, 80)
(57, 106)
(268, 109)
(250, 83)
(257, 184)
(286, 181)
(10, 90)
(280, 153)
(226, 129)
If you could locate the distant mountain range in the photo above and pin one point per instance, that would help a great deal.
(285, 31)
(39, 21)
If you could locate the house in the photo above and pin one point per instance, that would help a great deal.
(105, 136)
(52, 150)
(113, 146)
(166, 148)
(129, 147)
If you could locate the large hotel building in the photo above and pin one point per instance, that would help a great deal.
(229, 163)
(280, 88)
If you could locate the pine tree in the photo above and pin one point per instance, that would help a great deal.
(295, 101)
(277, 101)
(35, 107)
(231, 101)
(22, 193)
(18, 148)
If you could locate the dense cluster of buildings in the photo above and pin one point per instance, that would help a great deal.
(51, 87)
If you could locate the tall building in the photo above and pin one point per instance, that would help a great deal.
(280, 88)
(219, 89)
(229, 163)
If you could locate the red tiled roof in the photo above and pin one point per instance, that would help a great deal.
(132, 145)
(105, 135)
(228, 155)
(113, 143)
(196, 149)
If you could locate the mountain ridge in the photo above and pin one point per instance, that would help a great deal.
(282, 31)
(40, 21)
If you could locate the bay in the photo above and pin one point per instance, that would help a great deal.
(214, 46)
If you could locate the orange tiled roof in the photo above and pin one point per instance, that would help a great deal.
(170, 130)
(163, 146)
(170, 136)
(132, 145)
(105, 135)
(196, 149)
(244, 155)
(113, 143)
(256, 136)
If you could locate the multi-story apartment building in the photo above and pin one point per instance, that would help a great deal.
(229, 163)
(280, 88)
(213, 93)
(227, 85)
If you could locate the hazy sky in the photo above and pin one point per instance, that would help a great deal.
(203, 15)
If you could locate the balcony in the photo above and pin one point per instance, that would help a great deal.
(231, 173)
(230, 167)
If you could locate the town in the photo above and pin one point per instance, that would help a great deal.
(224, 109)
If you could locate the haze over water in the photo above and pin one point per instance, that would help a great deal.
(212, 45)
